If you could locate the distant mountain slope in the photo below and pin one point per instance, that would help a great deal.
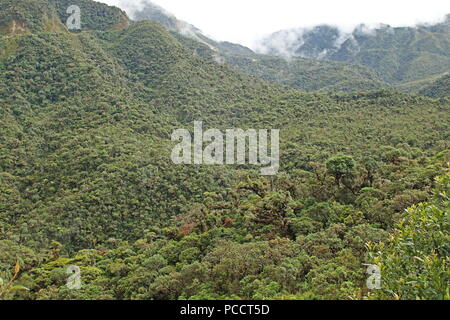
(397, 54)
(439, 88)
(309, 74)
(303, 74)
(416, 85)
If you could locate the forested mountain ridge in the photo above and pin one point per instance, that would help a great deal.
(86, 177)
(328, 59)
(439, 88)
(26, 16)
(399, 54)
(303, 74)
(95, 15)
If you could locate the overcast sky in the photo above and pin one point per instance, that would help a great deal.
(243, 21)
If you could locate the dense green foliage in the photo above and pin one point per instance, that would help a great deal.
(398, 54)
(415, 260)
(24, 16)
(86, 177)
(95, 15)
(309, 74)
(439, 88)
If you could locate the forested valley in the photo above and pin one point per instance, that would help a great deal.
(86, 179)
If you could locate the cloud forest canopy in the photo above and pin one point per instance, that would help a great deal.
(86, 177)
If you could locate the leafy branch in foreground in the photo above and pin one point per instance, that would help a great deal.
(9, 286)
(414, 261)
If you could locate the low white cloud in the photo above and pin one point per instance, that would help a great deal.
(244, 21)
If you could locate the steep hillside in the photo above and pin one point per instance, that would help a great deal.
(439, 88)
(153, 12)
(70, 121)
(26, 16)
(94, 15)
